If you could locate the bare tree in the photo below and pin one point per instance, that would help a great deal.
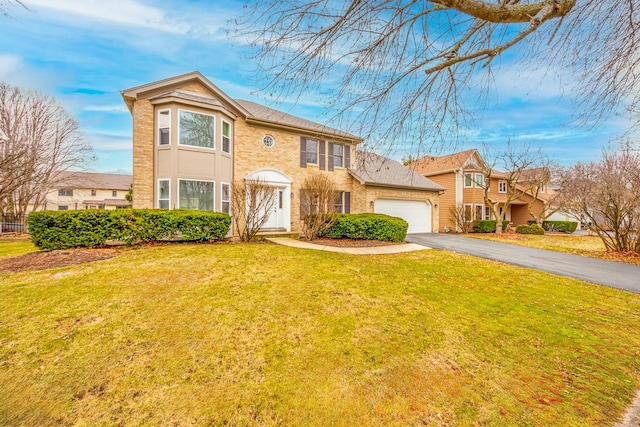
(253, 202)
(317, 203)
(462, 216)
(607, 195)
(544, 201)
(514, 161)
(42, 141)
(6, 4)
(398, 68)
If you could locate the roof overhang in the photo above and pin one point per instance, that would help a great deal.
(133, 94)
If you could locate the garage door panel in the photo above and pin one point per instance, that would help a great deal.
(416, 213)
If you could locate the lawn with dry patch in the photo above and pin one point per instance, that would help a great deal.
(590, 246)
(266, 335)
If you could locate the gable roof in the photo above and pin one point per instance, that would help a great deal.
(374, 169)
(96, 181)
(249, 111)
(429, 165)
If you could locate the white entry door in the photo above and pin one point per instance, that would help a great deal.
(417, 213)
(277, 214)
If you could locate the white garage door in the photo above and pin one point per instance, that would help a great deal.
(416, 213)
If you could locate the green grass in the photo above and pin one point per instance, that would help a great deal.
(9, 247)
(263, 335)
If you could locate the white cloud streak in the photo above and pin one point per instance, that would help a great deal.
(121, 12)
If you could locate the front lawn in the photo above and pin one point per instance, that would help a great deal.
(590, 246)
(9, 246)
(264, 335)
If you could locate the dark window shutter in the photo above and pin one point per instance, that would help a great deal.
(330, 157)
(347, 202)
(321, 155)
(303, 152)
(347, 156)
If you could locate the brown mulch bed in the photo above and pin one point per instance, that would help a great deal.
(55, 259)
(351, 243)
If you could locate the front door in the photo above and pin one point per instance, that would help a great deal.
(276, 216)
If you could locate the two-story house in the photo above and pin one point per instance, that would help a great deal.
(192, 142)
(464, 176)
(88, 190)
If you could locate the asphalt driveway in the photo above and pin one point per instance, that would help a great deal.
(608, 273)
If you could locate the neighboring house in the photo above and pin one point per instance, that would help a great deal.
(191, 142)
(462, 174)
(88, 190)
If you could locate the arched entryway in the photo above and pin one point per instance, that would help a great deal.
(280, 213)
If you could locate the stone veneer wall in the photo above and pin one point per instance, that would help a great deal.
(143, 182)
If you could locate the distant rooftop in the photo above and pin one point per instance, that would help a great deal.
(97, 181)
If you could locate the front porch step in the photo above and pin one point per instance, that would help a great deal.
(262, 235)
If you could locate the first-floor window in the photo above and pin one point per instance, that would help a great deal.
(196, 194)
(63, 208)
(479, 212)
(164, 197)
(468, 212)
(226, 198)
(487, 212)
(338, 204)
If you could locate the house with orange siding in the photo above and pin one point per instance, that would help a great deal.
(463, 174)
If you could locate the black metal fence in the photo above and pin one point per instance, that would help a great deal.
(10, 223)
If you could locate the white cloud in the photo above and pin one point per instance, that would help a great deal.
(8, 65)
(121, 12)
(108, 108)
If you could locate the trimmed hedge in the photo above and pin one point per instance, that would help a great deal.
(563, 226)
(529, 229)
(488, 225)
(368, 226)
(93, 228)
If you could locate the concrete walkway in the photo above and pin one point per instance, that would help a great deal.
(376, 250)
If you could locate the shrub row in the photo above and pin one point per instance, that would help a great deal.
(529, 229)
(93, 228)
(368, 226)
(563, 226)
(488, 226)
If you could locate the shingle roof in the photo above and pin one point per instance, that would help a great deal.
(266, 114)
(428, 164)
(97, 181)
(374, 169)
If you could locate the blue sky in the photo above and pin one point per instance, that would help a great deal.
(84, 52)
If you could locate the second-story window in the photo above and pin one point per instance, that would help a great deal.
(226, 137)
(164, 127)
(468, 180)
(502, 186)
(94, 192)
(65, 192)
(479, 181)
(338, 155)
(114, 193)
(197, 129)
(312, 151)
